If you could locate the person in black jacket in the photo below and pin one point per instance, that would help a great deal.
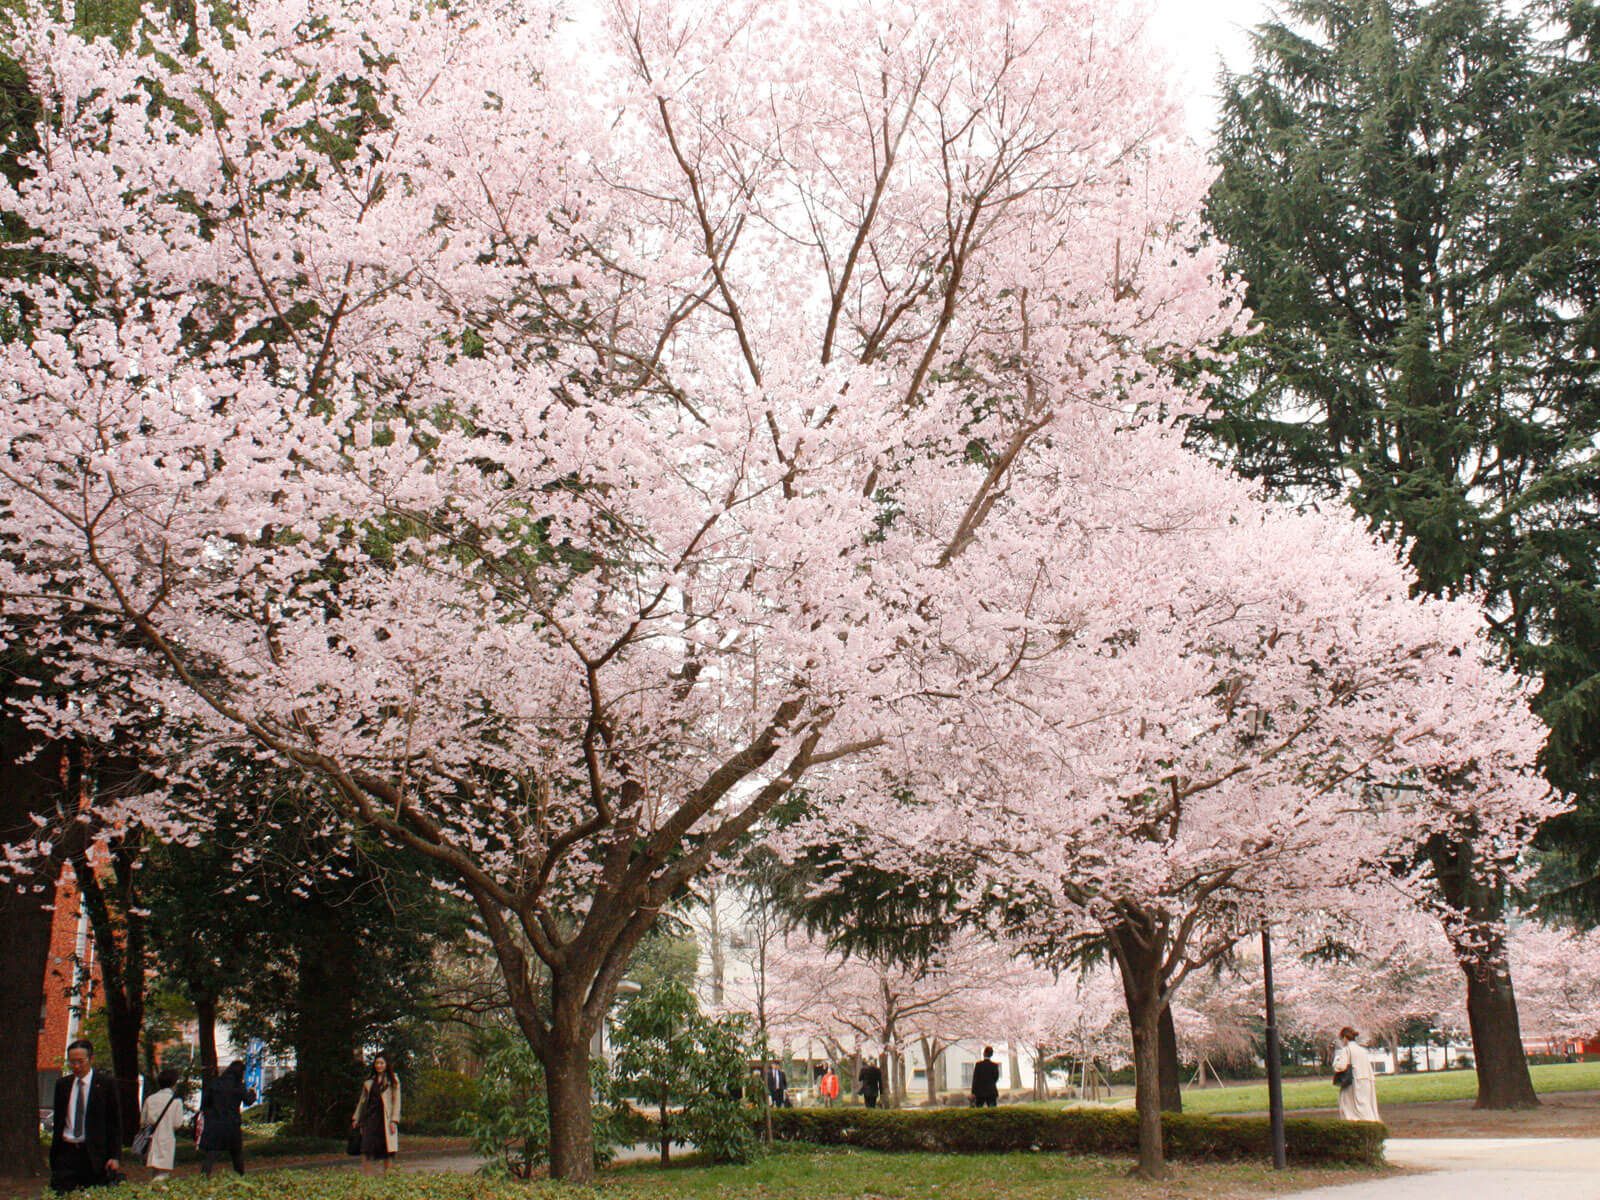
(778, 1086)
(986, 1081)
(870, 1083)
(86, 1138)
(222, 1129)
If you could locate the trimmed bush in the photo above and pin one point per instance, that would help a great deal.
(1079, 1131)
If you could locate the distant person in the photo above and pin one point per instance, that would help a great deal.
(222, 1131)
(778, 1086)
(870, 1081)
(986, 1081)
(828, 1088)
(161, 1114)
(1358, 1086)
(86, 1136)
(377, 1117)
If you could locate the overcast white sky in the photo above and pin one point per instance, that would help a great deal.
(1199, 34)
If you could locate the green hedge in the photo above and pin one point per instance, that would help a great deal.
(292, 1146)
(1078, 1131)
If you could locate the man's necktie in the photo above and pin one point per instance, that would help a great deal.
(83, 1104)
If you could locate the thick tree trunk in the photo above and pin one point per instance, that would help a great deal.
(1477, 893)
(930, 1062)
(326, 1074)
(1014, 1065)
(27, 788)
(1138, 954)
(1502, 1066)
(566, 1073)
(205, 1011)
(1171, 1068)
(25, 951)
(1147, 1090)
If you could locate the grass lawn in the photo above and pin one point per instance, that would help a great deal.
(809, 1173)
(1422, 1088)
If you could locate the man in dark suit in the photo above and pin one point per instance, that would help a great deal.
(986, 1081)
(778, 1086)
(87, 1140)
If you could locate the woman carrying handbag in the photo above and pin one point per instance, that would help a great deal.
(158, 1126)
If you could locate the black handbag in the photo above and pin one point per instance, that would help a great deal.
(1344, 1078)
(352, 1145)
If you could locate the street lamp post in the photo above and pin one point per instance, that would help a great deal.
(1280, 1157)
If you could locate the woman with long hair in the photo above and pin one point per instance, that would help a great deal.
(223, 1129)
(377, 1116)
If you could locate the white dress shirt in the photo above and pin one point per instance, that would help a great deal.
(80, 1092)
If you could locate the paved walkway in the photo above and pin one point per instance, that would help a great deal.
(1481, 1169)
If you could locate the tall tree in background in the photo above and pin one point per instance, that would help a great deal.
(1409, 192)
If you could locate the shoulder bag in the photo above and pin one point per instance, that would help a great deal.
(147, 1133)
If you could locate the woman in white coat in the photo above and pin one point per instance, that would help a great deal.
(162, 1111)
(377, 1117)
(1358, 1099)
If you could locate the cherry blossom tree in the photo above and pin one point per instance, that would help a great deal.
(1075, 1013)
(1558, 970)
(558, 460)
(1231, 716)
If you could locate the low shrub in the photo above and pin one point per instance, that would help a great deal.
(1078, 1131)
(290, 1146)
(435, 1101)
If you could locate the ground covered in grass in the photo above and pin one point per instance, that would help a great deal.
(1427, 1087)
(786, 1174)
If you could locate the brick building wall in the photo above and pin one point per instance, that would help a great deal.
(71, 961)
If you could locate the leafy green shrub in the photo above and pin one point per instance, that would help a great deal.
(1078, 1131)
(509, 1123)
(689, 1069)
(436, 1101)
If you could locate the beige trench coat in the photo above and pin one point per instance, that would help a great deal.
(391, 1112)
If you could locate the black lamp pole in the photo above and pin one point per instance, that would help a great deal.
(1280, 1156)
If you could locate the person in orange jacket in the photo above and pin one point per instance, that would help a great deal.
(829, 1087)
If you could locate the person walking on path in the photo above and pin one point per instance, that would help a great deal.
(377, 1117)
(870, 1082)
(829, 1088)
(986, 1081)
(161, 1114)
(86, 1136)
(1358, 1086)
(222, 1129)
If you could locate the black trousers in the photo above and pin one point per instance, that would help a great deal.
(232, 1145)
(985, 1101)
(71, 1168)
(870, 1099)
